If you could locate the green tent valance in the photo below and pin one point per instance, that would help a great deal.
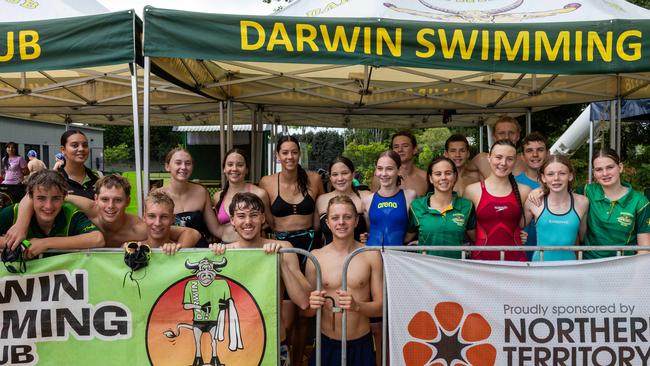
(583, 47)
(66, 43)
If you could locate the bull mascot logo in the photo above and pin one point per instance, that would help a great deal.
(209, 299)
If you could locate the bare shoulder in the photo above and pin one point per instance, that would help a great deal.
(216, 195)
(265, 180)
(259, 192)
(420, 173)
(472, 191)
(410, 193)
(524, 189)
(365, 194)
(580, 200)
(322, 201)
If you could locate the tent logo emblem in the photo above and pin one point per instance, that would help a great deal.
(448, 337)
(196, 321)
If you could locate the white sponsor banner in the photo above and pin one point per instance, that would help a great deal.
(445, 312)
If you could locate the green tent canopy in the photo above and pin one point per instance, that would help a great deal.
(406, 63)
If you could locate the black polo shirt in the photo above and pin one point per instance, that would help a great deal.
(84, 189)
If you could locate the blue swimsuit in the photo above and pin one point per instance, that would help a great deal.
(557, 230)
(389, 220)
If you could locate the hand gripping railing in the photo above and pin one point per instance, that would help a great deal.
(619, 249)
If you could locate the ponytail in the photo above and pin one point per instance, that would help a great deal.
(222, 195)
(303, 180)
(515, 189)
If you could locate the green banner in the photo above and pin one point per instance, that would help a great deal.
(85, 309)
(567, 48)
(94, 40)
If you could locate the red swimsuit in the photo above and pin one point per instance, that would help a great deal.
(497, 223)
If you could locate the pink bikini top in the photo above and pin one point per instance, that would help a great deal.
(222, 215)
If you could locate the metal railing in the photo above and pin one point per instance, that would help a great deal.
(619, 249)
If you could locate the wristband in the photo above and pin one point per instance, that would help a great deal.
(26, 243)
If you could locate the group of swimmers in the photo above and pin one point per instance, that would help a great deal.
(497, 198)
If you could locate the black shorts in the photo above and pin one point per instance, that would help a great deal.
(360, 352)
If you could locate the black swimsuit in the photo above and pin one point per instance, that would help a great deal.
(303, 239)
(194, 219)
(281, 208)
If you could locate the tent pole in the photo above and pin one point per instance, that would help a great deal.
(229, 107)
(613, 111)
(254, 147)
(529, 121)
(260, 142)
(136, 136)
(591, 148)
(145, 127)
(480, 137)
(222, 142)
(619, 114)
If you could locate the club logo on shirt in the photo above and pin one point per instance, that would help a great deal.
(625, 219)
(500, 208)
(459, 219)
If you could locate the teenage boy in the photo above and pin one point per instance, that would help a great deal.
(457, 149)
(108, 213)
(363, 297)
(405, 145)
(506, 128)
(54, 224)
(534, 153)
(247, 218)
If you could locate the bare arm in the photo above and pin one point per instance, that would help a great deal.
(86, 205)
(185, 236)
(89, 240)
(296, 284)
(374, 184)
(18, 232)
(316, 298)
(643, 239)
(479, 163)
(210, 218)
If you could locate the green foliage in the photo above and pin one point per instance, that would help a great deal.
(117, 153)
(161, 140)
(363, 157)
(431, 144)
(324, 147)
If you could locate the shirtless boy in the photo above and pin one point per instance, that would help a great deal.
(506, 128)
(108, 213)
(247, 218)
(457, 149)
(405, 145)
(363, 298)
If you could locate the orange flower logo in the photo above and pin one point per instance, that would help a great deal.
(449, 338)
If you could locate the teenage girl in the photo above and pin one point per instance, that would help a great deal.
(192, 204)
(386, 211)
(618, 215)
(442, 217)
(562, 216)
(235, 168)
(293, 193)
(498, 201)
(81, 179)
(341, 171)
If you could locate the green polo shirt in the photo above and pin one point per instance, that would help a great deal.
(442, 228)
(69, 222)
(617, 222)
